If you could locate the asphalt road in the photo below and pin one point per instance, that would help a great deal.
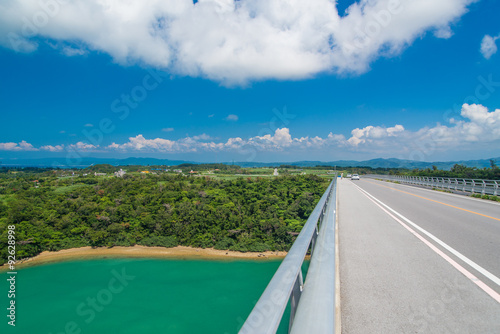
(417, 261)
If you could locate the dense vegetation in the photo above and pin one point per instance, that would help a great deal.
(460, 171)
(457, 171)
(243, 214)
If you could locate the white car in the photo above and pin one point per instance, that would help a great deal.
(349, 175)
(355, 177)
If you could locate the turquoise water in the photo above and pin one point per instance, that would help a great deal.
(136, 296)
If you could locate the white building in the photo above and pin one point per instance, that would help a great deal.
(120, 173)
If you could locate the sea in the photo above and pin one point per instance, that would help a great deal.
(131, 296)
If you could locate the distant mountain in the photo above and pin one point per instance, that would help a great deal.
(376, 163)
(373, 163)
(411, 164)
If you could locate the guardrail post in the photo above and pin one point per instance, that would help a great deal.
(313, 240)
(294, 300)
(495, 190)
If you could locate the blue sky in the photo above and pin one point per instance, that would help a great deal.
(424, 84)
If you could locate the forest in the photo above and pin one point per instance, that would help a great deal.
(459, 171)
(54, 210)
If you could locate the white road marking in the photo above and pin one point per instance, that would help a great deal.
(464, 271)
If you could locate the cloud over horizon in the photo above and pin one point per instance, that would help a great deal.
(232, 42)
(479, 128)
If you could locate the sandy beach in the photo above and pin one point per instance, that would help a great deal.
(179, 252)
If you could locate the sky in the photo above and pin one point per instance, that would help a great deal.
(250, 80)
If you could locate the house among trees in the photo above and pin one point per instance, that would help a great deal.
(120, 173)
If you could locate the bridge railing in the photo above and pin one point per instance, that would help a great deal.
(312, 303)
(475, 186)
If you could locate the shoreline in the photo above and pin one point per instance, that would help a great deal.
(145, 252)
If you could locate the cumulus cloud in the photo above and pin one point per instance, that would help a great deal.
(228, 41)
(82, 147)
(139, 143)
(50, 148)
(232, 117)
(373, 133)
(21, 146)
(488, 46)
(203, 136)
(479, 128)
(25, 146)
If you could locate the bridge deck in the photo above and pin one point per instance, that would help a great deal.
(393, 282)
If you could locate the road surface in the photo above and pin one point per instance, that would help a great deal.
(414, 260)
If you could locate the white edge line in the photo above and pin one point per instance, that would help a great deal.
(469, 275)
(462, 257)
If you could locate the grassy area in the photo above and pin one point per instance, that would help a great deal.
(488, 197)
(65, 177)
(442, 190)
(255, 175)
(66, 189)
(234, 177)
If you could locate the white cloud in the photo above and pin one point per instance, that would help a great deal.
(72, 52)
(482, 126)
(81, 146)
(139, 143)
(21, 146)
(488, 46)
(232, 42)
(232, 117)
(443, 32)
(479, 129)
(89, 125)
(203, 136)
(167, 129)
(50, 148)
(373, 133)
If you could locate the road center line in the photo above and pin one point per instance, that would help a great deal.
(428, 199)
(492, 293)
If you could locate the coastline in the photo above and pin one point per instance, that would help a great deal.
(137, 251)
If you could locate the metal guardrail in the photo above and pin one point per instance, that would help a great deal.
(475, 186)
(315, 313)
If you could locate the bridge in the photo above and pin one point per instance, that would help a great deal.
(390, 258)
